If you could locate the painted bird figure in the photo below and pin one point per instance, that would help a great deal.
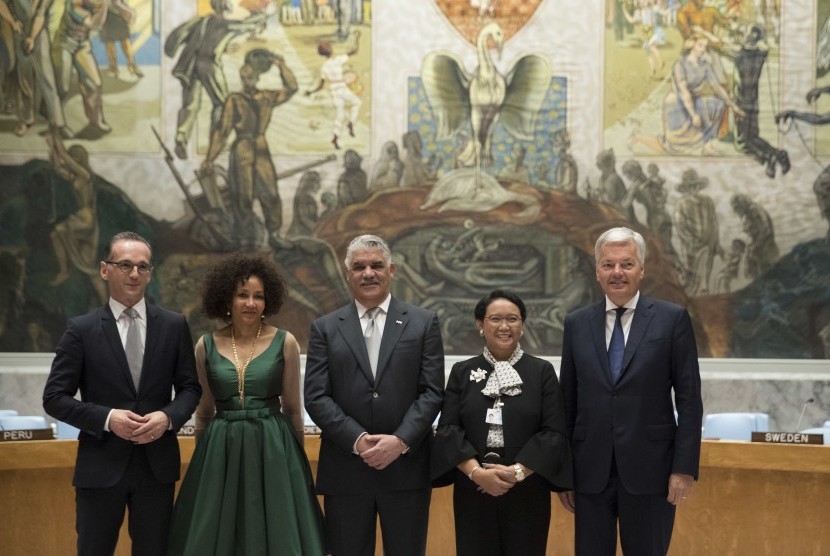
(483, 97)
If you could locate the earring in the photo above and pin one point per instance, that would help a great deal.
(262, 316)
(481, 332)
(228, 313)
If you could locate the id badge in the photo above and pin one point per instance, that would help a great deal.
(493, 417)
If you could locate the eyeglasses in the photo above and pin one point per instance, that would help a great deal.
(127, 267)
(511, 320)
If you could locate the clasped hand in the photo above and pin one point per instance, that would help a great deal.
(494, 479)
(136, 428)
(379, 450)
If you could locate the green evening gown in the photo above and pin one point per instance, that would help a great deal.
(248, 490)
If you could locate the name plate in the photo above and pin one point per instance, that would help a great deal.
(27, 434)
(787, 438)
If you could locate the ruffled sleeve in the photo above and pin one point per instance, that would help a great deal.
(450, 445)
(548, 451)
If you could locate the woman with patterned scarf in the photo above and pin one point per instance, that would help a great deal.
(501, 438)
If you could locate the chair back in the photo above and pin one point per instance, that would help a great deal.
(22, 422)
(761, 422)
(65, 431)
(729, 426)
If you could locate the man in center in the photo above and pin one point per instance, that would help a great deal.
(373, 385)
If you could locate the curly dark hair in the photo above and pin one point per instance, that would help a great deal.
(223, 278)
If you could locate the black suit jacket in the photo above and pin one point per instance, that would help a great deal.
(90, 357)
(344, 400)
(633, 419)
(534, 423)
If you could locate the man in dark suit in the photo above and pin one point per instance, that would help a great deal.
(621, 360)
(375, 417)
(126, 358)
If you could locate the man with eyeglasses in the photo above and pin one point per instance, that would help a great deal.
(627, 362)
(126, 358)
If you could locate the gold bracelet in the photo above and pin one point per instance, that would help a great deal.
(470, 474)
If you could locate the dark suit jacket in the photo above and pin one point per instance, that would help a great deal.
(633, 419)
(534, 423)
(90, 357)
(344, 400)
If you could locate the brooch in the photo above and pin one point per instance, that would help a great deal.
(478, 375)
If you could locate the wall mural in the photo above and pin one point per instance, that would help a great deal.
(490, 141)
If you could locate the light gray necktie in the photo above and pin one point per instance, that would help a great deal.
(133, 347)
(372, 336)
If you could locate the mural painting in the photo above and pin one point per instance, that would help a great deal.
(487, 145)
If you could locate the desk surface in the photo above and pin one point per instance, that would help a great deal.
(744, 503)
(53, 454)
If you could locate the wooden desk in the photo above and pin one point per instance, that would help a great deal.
(752, 499)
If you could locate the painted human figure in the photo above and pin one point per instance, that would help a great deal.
(416, 172)
(651, 194)
(696, 18)
(116, 30)
(749, 62)
(333, 74)
(761, 251)
(203, 41)
(388, 170)
(697, 229)
(731, 270)
(75, 238)
(566, 173)
(352, 183)
(80, 19)
(36, 78)
(252, 173)
(692, 118)
(305, 205)
(611, 185)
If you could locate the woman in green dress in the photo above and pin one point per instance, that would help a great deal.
(248, 489)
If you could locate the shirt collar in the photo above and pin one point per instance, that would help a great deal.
(630, 304)
(384, 306)
(118, 308)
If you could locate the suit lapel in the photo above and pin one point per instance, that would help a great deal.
(349, 326)
(396, 321)
(153, 332)
(641, 320)
(110, 331)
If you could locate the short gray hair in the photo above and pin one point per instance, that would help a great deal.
(367, 241)
(621, 235)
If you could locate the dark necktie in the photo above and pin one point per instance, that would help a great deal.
(132, 347)
(616, 347)
(372, 336)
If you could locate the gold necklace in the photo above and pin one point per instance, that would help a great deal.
(240, 372)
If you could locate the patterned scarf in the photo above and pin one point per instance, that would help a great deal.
(503, 381)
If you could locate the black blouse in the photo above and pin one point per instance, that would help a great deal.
(534, 423)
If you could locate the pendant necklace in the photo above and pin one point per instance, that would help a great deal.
(240, 371)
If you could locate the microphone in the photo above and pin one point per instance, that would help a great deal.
(803, 409)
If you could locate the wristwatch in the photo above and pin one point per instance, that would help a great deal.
(520, 472)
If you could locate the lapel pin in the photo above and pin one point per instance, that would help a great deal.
(398, 322)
